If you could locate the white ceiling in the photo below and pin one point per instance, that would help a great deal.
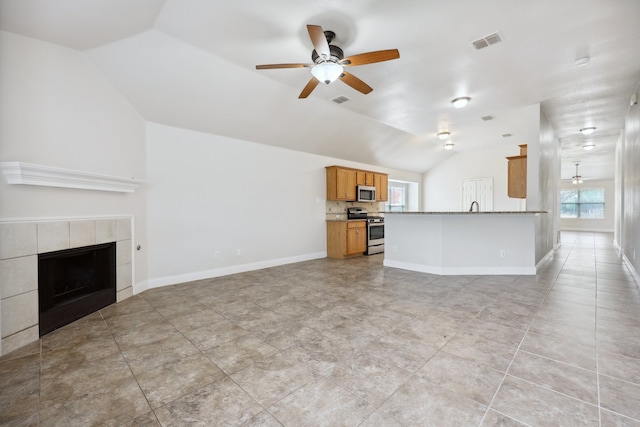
(191, 63)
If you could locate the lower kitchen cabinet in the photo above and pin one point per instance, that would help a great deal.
(346, 238)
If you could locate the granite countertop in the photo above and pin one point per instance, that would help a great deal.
(466, 213)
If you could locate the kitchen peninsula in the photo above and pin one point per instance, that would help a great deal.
(462, 243)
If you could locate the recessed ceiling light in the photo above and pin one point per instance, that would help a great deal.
(444, 135)
(461, 102)
(448, 146)
(589, 146)
(588, 130)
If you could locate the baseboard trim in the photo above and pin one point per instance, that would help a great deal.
(632, 270)
(224, 271)
(589, 230)
(462, 271)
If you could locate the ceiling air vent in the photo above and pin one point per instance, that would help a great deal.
(507, 135)
(487, 118)
(487, 41)
(340, 99)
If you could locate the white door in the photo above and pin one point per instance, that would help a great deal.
(484, 194)
(477, 190)
(468, 193)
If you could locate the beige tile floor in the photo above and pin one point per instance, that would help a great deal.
(349, 343)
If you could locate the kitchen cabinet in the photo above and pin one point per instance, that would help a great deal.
(341, 183)
(517, 174)
(346, 238)
(382, 187)
(365, 178)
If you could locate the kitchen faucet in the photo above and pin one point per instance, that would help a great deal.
(477, 206)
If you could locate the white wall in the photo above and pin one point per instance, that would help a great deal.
(210, 193)
(442, 188)
(586, 224)
(629, 176)
(57, 109)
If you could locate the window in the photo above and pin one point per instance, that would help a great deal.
(397, 198)
(582, 203)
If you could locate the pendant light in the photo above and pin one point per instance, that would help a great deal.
(577, 179)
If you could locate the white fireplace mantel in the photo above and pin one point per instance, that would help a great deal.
(49, 176)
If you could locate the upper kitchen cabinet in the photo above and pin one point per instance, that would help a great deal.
(517, 174)
(365, 178)
(341, 183)
(382, 187)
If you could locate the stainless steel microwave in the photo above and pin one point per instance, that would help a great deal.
(365, 193)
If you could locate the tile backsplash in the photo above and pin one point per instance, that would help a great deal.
(338, 210)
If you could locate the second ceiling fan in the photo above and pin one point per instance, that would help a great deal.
(329, 62)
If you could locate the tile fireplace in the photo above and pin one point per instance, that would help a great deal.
(21, 243)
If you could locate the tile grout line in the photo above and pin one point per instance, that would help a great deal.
(595, 336)
(495, 394)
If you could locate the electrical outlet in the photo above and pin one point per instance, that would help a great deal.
(238, 252)
(503, 253)
(216, 254)
(394, 248)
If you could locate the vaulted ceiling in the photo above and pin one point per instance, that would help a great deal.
(191, 63)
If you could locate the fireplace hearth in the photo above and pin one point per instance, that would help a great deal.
(73, 283)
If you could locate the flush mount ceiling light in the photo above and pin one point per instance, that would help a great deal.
(461, 102)
(589, 146)
(576, 179)
(444, 135)
(448, 146)
(588, 130)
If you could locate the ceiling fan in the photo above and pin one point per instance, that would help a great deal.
(329, 62)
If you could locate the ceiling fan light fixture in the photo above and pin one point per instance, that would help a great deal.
(448, 146)
(327, 72)
(444, 135)
(588, 130)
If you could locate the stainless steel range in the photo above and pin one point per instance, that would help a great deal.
(375, 235)
(375, 229)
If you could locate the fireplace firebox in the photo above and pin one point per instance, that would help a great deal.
(73, 283)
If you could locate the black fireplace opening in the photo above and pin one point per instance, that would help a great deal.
(73, 283)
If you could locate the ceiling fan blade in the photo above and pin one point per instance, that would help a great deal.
(370, 57)
(355, 83)
(319, 41)
(309, 87)
(274, 66)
